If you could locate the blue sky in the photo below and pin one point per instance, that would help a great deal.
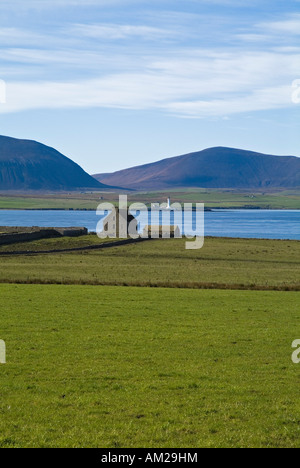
(117, 83)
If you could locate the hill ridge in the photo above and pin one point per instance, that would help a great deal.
(216, 167)
(30, 165)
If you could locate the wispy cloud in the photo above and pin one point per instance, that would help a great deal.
(274, 32)
(84, 3)
(120, 31)
(257, 100)
(15, 36)
(290, 25)
(212, 84)
(38, 4)
(151, 64)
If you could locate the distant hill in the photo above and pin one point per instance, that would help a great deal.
(211, 168)
(28, 165)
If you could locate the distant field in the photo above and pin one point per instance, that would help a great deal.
(222, 263)
(36, 203)
(232, 199)
(124, 367)
(211, 198)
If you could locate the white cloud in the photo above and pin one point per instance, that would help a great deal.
(185, 79)
(40, 4)
(210, 84)
(13, 36)
(283, 32)
(258, 100)
(290, 26)
(84, 3)
(120, 31)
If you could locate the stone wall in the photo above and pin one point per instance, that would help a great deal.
(15, 235)
(72, 232)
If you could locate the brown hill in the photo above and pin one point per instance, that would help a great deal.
(211, 168)
(28, 165)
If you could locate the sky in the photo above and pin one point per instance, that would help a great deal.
(118, 83)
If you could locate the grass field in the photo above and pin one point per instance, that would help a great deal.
(125, 367)
(212, 199)
(222, 263)
(167, 366)
(230, 198)
(74, 202)
(57, 243)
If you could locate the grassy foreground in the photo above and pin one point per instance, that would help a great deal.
(92, 365)
(125, 367)
(222, 263)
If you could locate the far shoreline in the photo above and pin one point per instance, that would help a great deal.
(207, 210)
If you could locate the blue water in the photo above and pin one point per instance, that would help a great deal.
(220, 223)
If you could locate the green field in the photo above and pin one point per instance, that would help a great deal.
(288, 199)
(188, 361)
(47, 203)
(222, 263)
(229, 198)
(56, 243)
(126, 367)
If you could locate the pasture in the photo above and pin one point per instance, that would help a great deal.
(91, 366)
(184, 359)
(265, 199)
(222, 264)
